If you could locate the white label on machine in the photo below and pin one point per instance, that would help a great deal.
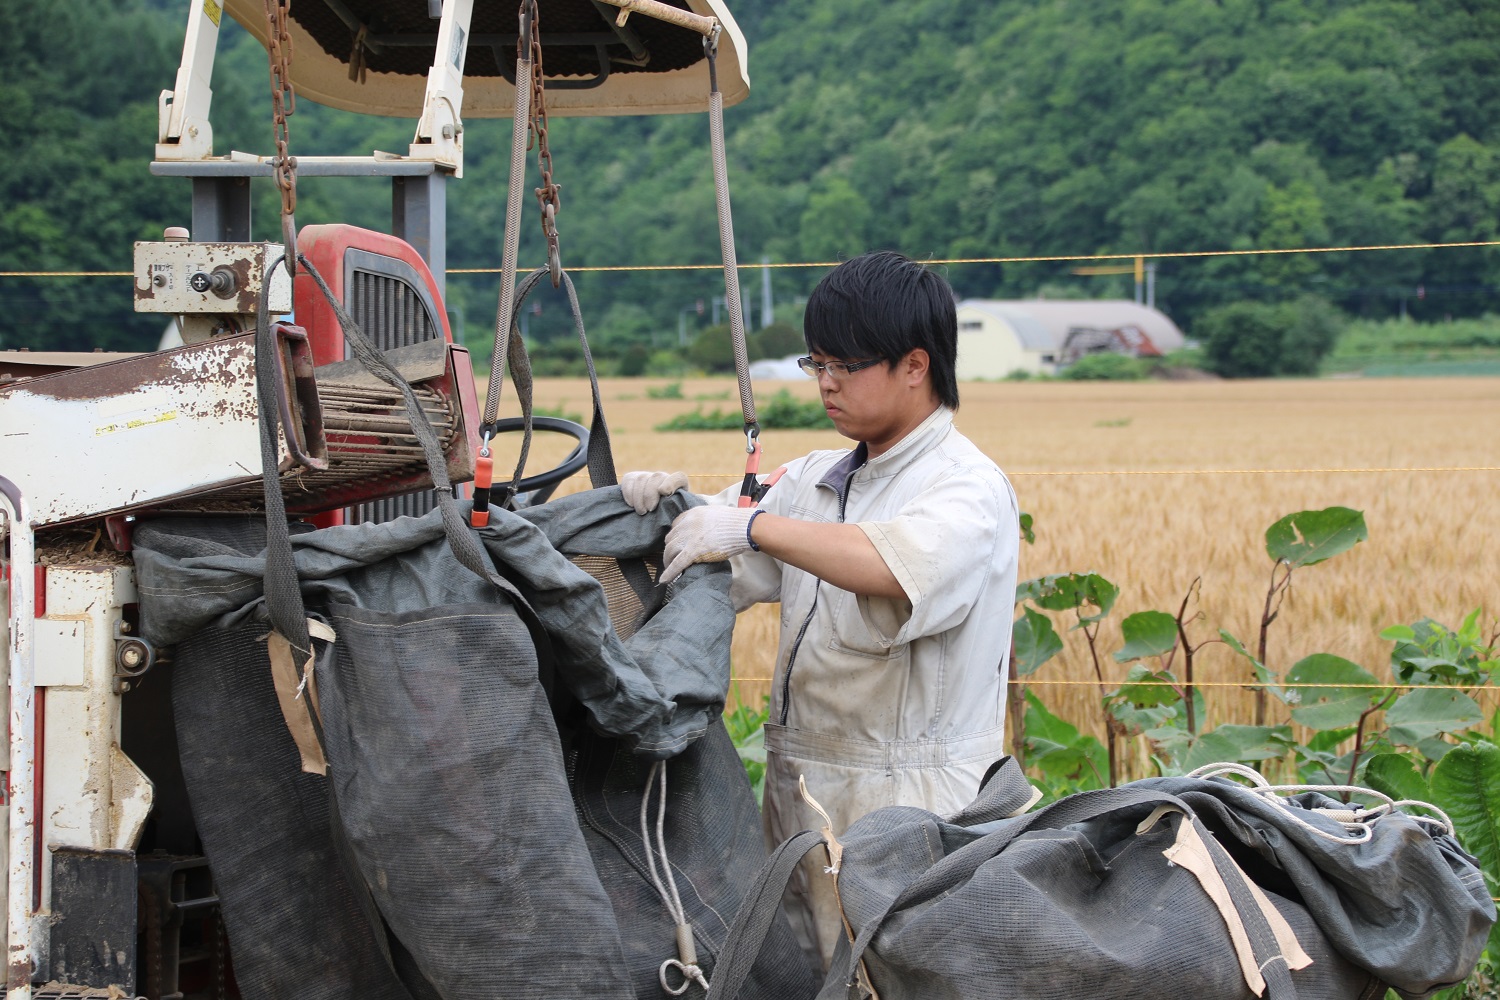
(61, 652)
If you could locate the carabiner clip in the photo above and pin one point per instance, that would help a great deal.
(484, 476)
(751, 486)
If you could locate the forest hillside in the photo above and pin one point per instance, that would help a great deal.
(941, 128)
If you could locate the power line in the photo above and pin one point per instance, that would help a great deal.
(1054, 258)
(1027, 260)
(1185, 472)
(1481, 689)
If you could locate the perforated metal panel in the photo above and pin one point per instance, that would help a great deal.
(386, 297)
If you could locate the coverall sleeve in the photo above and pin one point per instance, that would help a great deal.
(944, 547)
(757, 576)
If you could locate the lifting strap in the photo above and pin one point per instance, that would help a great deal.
(750, 486)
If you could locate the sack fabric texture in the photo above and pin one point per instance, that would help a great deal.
(488, 743)
(1167, 887)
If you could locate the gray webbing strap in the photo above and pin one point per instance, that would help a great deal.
(752, 922)
(282, 592)
(732, 300)
(461, 538)
(511, 249)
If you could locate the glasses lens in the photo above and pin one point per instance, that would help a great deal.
(808, 366)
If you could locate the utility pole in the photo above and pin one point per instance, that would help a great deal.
(1151, 284)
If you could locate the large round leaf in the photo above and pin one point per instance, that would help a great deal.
(1395, 775)
(1425, 712)
(1067, 591)
(1035, 642)
(1147, 633)
(1333, 700)
(1310, 536)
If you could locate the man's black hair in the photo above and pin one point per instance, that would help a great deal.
(884, 305)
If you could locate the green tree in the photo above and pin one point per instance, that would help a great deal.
(1257, 339)
(713, 349)
(778, 340)
(836, 222)
(1242, 339)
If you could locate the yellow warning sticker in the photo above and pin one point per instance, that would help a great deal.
(213, 10)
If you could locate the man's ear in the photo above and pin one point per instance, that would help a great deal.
(915, 366)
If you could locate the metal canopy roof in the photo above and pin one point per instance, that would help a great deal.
(593, 67)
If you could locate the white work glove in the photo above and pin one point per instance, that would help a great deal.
(706, 534)
(644, 490)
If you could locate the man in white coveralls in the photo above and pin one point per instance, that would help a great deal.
(895, 566)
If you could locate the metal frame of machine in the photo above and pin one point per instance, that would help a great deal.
(88, 443)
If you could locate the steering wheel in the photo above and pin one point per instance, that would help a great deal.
(540, 487)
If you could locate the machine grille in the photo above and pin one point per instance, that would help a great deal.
(392, 315)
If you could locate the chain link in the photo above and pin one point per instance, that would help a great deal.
(283, 105)
(549, 195)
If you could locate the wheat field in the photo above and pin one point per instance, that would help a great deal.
(1155, 484)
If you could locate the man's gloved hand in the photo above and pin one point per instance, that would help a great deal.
(644, 490)
(706, 534)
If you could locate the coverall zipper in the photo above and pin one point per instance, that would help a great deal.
(791, 658)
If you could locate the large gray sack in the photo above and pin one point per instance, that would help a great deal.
(1091, 898)
(454, 806)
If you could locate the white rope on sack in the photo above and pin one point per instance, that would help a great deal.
(686, 961)
(1357, 820)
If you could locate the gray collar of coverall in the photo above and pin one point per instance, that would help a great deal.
(901, 454)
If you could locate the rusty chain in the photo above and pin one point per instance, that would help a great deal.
(283, 105)
(549, 195)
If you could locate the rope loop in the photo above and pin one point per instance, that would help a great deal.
(691, 973)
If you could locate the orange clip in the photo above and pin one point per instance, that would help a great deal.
(750, 487)
(484, 473)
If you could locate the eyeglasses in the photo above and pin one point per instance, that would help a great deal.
(835, 369)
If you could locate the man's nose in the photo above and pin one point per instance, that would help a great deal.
(826, 380)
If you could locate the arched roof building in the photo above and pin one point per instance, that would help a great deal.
(997, 337)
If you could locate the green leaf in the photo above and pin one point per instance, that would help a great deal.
(1395, 774)
(1069, 591)
(1035, 642)
(1435, 749)
(1210, 748)
(1427, 712)
(1256, 742)
(1145, 688)
(1329, 739)
(1468, 632)
(1308, 537)
(1026, 531)
(1466, 785)
(1263, 674)
(1140, 720)
(1147, 633)
(1171, 742)
(1332, 702)
(1398, 633)
(1042, 724)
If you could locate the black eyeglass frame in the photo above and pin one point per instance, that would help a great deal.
(817, 368)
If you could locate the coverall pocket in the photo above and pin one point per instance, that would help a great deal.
(852, 634)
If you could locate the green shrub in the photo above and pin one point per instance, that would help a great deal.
(1258, 339)
(672, 390)
(779, 340)
(634, 360)
(1108, 366)
(781, 412)
(713, 350)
